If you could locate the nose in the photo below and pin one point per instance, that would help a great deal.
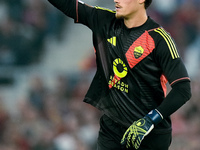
(116, 1)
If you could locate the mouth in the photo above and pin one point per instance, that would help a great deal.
(117, 7)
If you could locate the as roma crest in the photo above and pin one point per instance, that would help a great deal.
(138, 51)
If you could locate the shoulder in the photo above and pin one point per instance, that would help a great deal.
(104, 13)
(160, 32)
(161, 35)
(104, 9)
(96, 9)
(164, 41)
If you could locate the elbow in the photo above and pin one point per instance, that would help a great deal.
(189, 95)
(184, 88)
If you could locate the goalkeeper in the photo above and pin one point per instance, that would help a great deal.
(135, 58)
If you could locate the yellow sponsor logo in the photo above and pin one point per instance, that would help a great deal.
(119, 68)
(118, 84)
(120, 71)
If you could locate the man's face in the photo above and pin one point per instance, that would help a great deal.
(127, 8)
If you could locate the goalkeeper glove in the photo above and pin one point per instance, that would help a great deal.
(139, 129)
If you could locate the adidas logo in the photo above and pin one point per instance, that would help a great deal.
(112, 40)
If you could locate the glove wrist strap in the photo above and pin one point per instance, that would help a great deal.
(155, 116)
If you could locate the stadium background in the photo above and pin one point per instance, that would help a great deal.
(47, 63)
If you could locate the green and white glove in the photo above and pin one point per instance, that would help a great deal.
(139, 129)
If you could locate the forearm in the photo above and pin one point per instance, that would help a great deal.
(178, 96)
(68, 7)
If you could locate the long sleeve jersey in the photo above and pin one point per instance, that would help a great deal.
(133, 66)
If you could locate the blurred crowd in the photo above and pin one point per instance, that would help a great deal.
(56, 118)
(24, 26)
(51, 118)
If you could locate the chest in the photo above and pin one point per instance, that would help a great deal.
(131, 45)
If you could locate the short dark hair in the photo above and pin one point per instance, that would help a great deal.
(147, 3)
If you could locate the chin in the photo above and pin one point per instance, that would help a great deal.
(118, 16)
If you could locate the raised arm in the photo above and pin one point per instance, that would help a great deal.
(68, 7)
(92, 17)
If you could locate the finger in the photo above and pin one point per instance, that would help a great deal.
(124, 139)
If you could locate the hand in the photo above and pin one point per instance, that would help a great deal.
(139, 129)
(136, 133)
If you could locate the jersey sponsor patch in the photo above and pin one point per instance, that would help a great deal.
(115, 82)
(119, 68)
(120, 71)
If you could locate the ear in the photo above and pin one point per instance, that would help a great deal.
(141, 1)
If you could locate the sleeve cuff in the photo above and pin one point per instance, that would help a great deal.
(155, 116)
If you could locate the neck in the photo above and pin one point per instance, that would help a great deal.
(136, 20)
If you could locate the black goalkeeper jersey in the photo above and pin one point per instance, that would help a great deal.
(133, 65)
